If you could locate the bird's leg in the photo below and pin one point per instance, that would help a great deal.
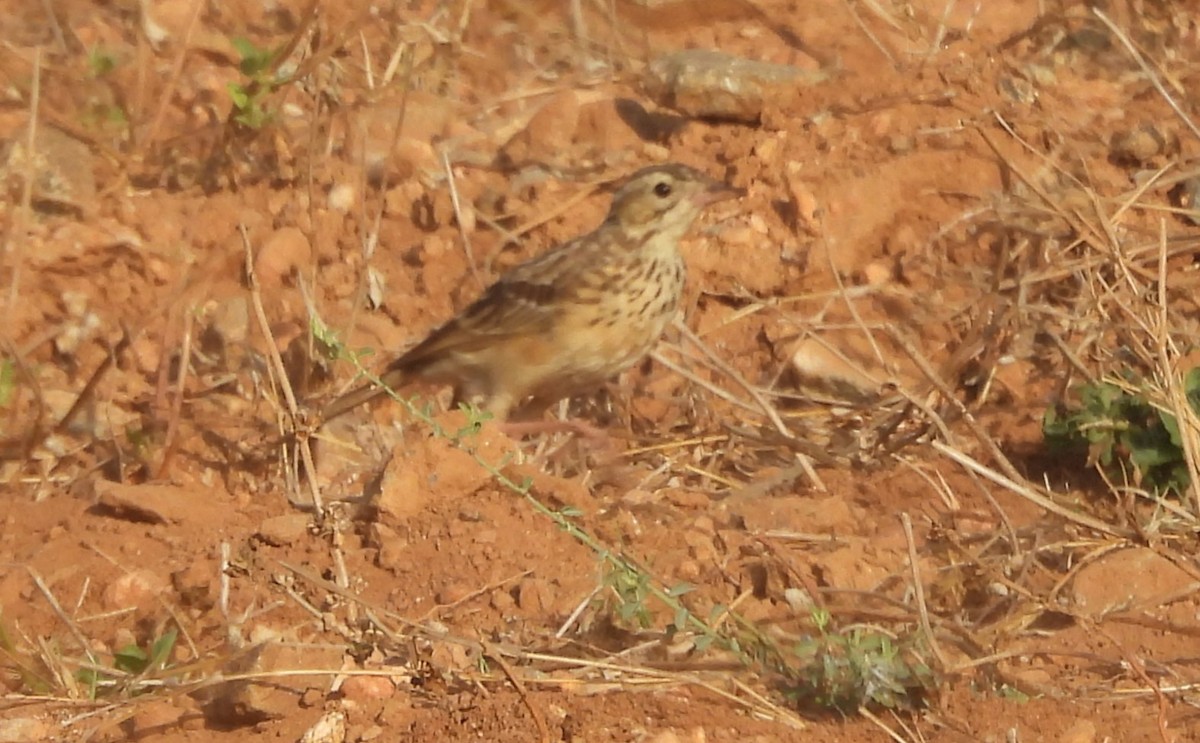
(504, 409)
(520, 429)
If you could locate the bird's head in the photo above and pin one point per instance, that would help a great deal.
(664, 200)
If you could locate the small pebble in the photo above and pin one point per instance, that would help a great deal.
(1141, 144)
(710, 84)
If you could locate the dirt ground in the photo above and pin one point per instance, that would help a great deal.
(860, 319)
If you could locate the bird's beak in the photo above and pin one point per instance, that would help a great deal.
(717, 191)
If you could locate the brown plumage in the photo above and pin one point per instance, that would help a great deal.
(569, 319)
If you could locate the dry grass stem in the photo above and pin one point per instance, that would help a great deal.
(14, 251)
(1029, 494)
(1154, 79)
(150, 136)
(280, 380)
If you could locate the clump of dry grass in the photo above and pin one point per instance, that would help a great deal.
(1091, 288)
(1070, 287)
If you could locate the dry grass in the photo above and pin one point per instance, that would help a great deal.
(1089, 282)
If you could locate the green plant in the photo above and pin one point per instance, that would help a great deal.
(249, 95)
(1124, 432)
(625, 593)
(100, 62)
(8, 382)
(836, 670)
(849, 669)
(104, 110)
(131, 661)
(329, 346)
(21, 671)
(1013, 694)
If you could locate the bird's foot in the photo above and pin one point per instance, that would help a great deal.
(521, 429)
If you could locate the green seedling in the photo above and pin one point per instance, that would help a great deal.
(20, 670)
(100, 62)
(249, 95)
(8, 382)
(849, 669)
(130, 662)
(1124, 433)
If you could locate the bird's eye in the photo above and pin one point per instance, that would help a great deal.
(662, 190)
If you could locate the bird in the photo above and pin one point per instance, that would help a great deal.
(566, 321)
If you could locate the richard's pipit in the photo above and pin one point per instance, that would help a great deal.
(566, 321)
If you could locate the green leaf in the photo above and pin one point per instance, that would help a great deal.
(8, 381)
(91, 679)
(131, 659)
(252, 116)
(680, 589)
(1191, 387)
(160, 651)
(238, 95)
(1013, 694)
(100, 61)
(245, 47)
(1171, 425)
(324, 334)
(1148, 451)
(255, 60)
(1123, 431)
(1054, 426)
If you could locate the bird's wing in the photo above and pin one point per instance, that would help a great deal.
(526, 301)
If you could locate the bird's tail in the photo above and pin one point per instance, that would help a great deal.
(391, 379)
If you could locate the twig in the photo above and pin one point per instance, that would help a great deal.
(280, 370)
(1036, 498)
(89, 388)
(167, 97)
(482, 591)
(576, 612)
(919, 591)
(720, 365)
(371, 239)
(948, 395)
(185, 364)
(55, 27)
(562, 208)
(1154, 79)
(458, 217)
(224, 583)
(84, 645)
(14, 248)
(880, 724)
(725, 395)
(940, 35)
(491, 652)
(1138, 667)
(1185, 415)
(862, 26)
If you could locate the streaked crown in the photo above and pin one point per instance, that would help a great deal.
(664, 199)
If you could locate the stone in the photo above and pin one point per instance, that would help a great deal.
(285, 251)
(23, 730)
(134, 588)
(284, 530)
(1137, 578)
(711, 84)
(330, 728)
(368, 688)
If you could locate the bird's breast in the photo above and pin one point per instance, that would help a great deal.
(610, 335)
